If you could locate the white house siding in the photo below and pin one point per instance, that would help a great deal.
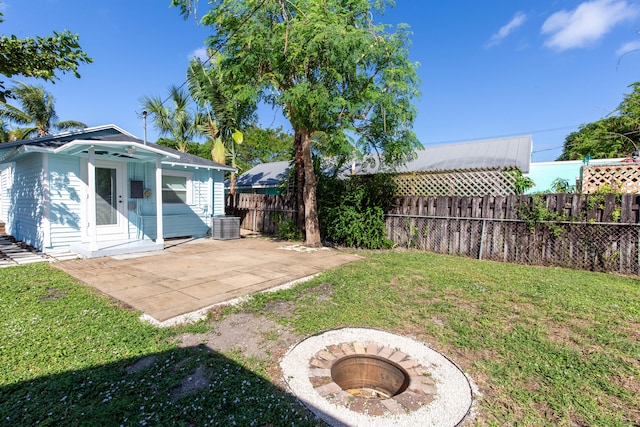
(26, 210)
(178, 219)
(6, 178)
(65, 201)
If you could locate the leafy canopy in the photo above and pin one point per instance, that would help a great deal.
(617, 135)
(326, 64)
(39, 57)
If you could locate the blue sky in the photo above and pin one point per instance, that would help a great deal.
(488, 69)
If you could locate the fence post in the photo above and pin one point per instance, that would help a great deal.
(255, 216)
(482, 236)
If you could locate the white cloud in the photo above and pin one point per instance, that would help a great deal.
(518, 19)
(628, 47)
(200, 53)
(587, 23)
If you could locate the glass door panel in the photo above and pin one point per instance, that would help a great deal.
(106, 197)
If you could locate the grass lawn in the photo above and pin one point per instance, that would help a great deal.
(545, 346)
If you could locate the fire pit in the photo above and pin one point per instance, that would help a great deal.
(356, 376)
(369, 376)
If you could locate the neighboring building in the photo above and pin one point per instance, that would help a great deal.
(462, 169)
(619, 174)
(265, 178)
(474, 168)
(96, 192)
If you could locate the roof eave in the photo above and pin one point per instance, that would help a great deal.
(193, 165)
(92, 143)
(24, 149)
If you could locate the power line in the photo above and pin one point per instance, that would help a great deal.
(503, 135)
(546, 149)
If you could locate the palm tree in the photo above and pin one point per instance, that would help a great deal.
(37, 116)
(178, 121)
(4, 132)
(222, 114)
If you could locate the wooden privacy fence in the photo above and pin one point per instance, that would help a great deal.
(597, 233)
(594, 233)
(571, 207)
(261, 212)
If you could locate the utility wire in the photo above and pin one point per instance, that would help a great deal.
(503, 136)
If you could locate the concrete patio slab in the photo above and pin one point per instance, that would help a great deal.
(193, 275)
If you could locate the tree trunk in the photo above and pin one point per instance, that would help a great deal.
(312, 225)
(299, 179)
(232, 186)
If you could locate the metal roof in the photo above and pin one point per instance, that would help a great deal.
(264, 175)
(114, 142)
(510, 152)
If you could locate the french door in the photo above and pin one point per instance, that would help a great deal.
(111, 197)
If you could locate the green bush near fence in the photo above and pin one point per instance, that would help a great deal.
(351, 211)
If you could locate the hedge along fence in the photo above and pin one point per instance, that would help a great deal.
(595, 232)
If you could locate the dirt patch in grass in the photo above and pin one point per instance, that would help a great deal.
(53, 293)
(254, 336)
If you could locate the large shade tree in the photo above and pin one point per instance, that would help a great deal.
(328, 66)
(617, 135)
(36, 114)
(39, 57)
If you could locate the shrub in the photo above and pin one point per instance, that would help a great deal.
(351, 210)
(286, 228)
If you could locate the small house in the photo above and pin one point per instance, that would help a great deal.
(102, 191)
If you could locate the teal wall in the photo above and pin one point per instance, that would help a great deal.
(543, 174)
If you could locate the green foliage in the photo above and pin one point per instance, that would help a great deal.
(598, 198)
(263, 146)
(39, 57)
(178, 120)
(352, 210)
(37, 115)
(561, 185)
(536, 213)
(286, 228)
(223, 113)
(617, 135)
(521, 183)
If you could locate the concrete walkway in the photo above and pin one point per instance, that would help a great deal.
(191, 276)
(14, 253)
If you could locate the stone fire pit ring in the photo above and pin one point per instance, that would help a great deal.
(435, 391)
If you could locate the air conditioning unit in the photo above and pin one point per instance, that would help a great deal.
(225, 227)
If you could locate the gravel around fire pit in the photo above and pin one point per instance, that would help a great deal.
(451, 404)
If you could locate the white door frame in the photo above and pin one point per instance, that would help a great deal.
(118, 230)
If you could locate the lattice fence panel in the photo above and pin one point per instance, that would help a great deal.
(457, 183)
(623, 178)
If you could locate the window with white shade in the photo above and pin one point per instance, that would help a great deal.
(176, 187)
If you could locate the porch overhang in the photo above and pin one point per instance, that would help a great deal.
(116, 150)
